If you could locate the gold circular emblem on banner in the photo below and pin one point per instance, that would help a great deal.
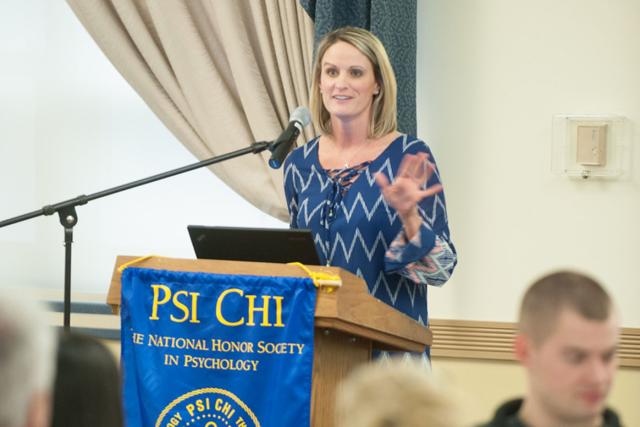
(202, 408)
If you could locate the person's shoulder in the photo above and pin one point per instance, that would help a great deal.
(301, 153)
(411, 144)
(506, 415)
(611, 419)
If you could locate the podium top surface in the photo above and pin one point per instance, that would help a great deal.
(349, 309)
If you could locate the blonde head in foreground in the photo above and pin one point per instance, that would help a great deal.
(397, 393)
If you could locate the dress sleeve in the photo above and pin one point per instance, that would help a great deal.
(429, 257)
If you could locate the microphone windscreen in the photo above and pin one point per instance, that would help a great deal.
(301, 115)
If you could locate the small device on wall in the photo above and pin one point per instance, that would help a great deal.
(590, 146)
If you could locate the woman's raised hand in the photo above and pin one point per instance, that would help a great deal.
(408, 189)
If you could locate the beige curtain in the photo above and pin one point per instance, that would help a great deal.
(220, 74)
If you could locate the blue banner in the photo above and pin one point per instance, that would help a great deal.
(216, 350)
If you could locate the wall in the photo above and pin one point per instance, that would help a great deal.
(493, 73)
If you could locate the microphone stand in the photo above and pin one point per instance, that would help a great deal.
(68, 216)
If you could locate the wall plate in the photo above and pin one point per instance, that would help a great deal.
(590, 146)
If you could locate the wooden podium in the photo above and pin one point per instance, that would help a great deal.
(349, 322)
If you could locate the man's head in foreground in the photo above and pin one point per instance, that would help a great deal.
(567, 341)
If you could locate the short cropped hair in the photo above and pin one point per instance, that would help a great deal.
(395, 393)
(27, 356)
(550, 295)
(384, 110)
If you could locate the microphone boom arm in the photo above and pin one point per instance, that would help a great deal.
(68, 216)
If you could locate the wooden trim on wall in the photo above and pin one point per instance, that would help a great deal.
(471, 339)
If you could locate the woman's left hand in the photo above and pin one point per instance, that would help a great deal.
(407, 190)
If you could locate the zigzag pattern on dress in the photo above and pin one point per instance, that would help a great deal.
(301, 184)
(368, 211)
(390, 290)
(357, 244)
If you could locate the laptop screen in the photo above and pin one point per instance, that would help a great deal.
(253, 244)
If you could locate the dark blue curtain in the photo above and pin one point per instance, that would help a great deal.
(394, 23)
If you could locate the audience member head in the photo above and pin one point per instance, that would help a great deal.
(87, 385)
(394, 393)
(384, 110)
(567, 341)
(26, 363)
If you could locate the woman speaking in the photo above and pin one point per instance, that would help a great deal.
(370, 195)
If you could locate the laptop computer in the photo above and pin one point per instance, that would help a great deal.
(253, 244)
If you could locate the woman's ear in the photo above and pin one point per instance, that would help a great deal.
(377, 89)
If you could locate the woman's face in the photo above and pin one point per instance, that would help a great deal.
(347, 82)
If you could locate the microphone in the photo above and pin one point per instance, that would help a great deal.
(282, 145)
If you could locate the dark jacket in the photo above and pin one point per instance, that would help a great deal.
(507, 416)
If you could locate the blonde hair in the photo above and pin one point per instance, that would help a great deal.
(384, 110)
(394, 393)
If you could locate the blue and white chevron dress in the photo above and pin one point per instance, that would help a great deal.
(355, 228)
